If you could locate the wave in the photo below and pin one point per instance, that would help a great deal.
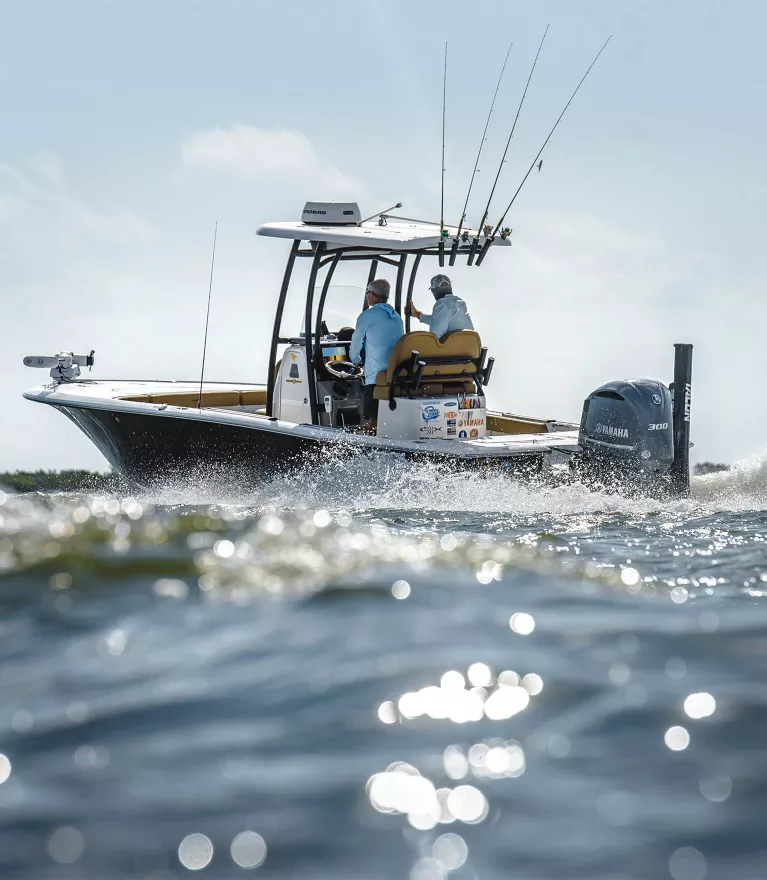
(233, 551)
(387, 482)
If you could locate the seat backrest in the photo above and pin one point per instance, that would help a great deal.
(462, 342)
(459, 344)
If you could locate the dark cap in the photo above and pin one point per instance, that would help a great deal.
(441, 284)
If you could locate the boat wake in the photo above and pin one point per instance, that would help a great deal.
(386, 482)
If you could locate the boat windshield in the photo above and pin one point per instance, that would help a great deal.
(343, 304)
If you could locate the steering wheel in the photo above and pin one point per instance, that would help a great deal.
(344, 369)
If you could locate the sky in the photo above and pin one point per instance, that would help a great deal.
(130, 128)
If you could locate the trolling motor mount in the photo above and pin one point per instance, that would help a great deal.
(64, 366)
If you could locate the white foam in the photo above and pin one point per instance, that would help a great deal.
(388, 482)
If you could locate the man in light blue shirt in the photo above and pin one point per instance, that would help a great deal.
(450, 311)
(378, 329)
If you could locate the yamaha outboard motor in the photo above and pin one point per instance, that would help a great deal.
(627, 433)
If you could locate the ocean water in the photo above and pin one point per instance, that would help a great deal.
(386, 673)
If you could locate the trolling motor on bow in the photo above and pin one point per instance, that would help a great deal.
(65, 366)
(637, 431)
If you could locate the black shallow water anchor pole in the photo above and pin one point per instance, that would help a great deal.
(680, 467)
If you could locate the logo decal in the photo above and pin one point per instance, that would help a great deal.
(462, 435)
(429, 413)
(610, 431)
(473, 433)
(656, 399)
(659, 426)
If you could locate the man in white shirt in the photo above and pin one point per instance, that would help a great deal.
(450, 311)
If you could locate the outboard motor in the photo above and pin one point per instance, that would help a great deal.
(627, 433)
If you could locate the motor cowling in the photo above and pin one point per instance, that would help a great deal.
(627, 430)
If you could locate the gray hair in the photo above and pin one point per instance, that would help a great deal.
(379, 288)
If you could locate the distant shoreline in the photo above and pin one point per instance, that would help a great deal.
(92, 481)
(59, 481)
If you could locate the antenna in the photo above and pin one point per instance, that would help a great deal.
(442, 187)
(538, 155)
(380, 213)
(207, 316)
(475, 243)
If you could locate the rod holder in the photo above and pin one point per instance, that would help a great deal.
(419, 375)
(453, 251)
(488, 371)
(485, 249)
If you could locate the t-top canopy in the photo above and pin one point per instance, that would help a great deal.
(391, 235)
(402, 237)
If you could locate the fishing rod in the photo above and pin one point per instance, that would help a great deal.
(475, 242)
(505, 233)
(442, 188)
(207, 316)
(456, 240)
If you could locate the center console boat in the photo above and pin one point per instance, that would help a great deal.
(433, 401)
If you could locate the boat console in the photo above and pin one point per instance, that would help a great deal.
(339, 384)
(433, 388)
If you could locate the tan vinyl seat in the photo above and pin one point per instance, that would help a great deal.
(257, 397)
(177, 398)
(451, 378)
(191, 399)
(506, 423)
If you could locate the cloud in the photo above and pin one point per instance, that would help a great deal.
(39, 213)
(273, 155)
